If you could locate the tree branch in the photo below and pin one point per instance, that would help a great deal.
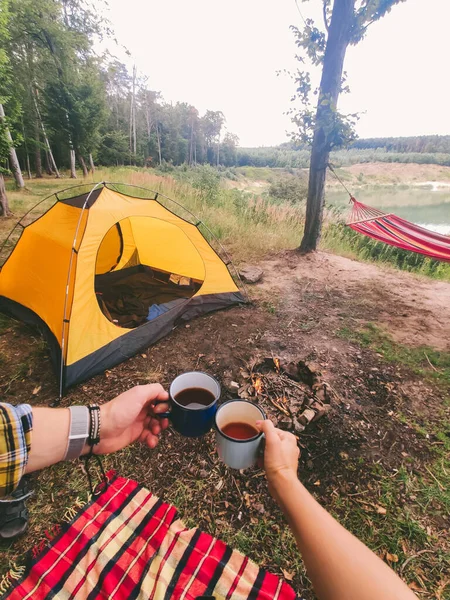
(324, 13)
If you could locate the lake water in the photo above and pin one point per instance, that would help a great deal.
(425, 206)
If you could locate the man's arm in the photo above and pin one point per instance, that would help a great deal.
(129, 417)
(338, 564)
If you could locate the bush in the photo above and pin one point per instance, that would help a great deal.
(290, 188)
(206, 180)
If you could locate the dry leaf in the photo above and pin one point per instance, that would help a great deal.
(414, 586)
(37, 390)
(246, 496)
(380, 509)
(288, 576)
(393, 558)
(317, 482)
(219, 486)
(144, 355)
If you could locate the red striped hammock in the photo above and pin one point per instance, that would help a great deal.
(393, 230)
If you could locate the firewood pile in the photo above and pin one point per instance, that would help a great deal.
(295, 389)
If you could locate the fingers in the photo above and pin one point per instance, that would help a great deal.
(160, 408)
(151, 391)
(270, 431)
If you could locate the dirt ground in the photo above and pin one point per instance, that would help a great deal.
(298, 310)
(414, 310)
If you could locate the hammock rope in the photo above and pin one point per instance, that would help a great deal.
(395, 231)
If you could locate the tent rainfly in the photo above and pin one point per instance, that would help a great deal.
(105, 274)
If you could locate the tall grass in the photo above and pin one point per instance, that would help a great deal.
(250, 226)
(340, 239)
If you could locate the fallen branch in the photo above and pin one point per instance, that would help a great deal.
(442, 488)
(281, 408)
(410, 558)
(430, 363)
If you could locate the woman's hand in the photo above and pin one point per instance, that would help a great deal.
(281, 455)
(131, 417)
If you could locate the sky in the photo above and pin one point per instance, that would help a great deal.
(226, 55)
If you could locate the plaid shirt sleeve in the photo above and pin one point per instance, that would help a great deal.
(16, 424)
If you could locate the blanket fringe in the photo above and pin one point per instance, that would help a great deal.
(73, 510)
(15, 572)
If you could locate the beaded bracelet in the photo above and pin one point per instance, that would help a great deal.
(94, 428)
(94, 439)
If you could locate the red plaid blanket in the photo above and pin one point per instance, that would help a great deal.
(129, 544)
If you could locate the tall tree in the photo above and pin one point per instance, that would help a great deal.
(7, 142)
(212, 124)
(15, 166)
(345, 23)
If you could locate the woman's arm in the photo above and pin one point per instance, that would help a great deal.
(338, 564)
(129, 417)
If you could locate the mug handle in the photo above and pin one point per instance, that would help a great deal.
(164, 415)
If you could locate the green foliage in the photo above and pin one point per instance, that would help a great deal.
(286, 156)
(289, 188)
(48, 57)
(207, 181)
(416, 144)
(113, 147)
(316, 109)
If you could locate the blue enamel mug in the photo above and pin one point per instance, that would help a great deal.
(193, 398)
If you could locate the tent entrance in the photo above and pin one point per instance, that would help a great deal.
(132, 296)
(144, 267)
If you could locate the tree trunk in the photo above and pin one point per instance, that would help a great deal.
(83, 165)
(37, 150)
(91, 162)
(4, 204)
(158, 137)
(133, 116)
(27, 154)
(191, 144)
(15, 166)
(330, 86)
(28, 166)
(50, 161)
(48, 165)
(73, 171)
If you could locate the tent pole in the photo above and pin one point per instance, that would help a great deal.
(69, 273)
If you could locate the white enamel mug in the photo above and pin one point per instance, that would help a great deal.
(238, 454)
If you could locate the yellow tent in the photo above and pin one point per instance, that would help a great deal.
(105, 274)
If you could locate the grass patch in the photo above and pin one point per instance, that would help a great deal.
(340, 239)
(420, 360)
(412, 502)
(5, 323)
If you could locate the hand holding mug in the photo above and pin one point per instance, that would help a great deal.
(133, 416)
(281, 455)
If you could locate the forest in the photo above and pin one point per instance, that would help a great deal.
(63, 105)
(66, 106)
